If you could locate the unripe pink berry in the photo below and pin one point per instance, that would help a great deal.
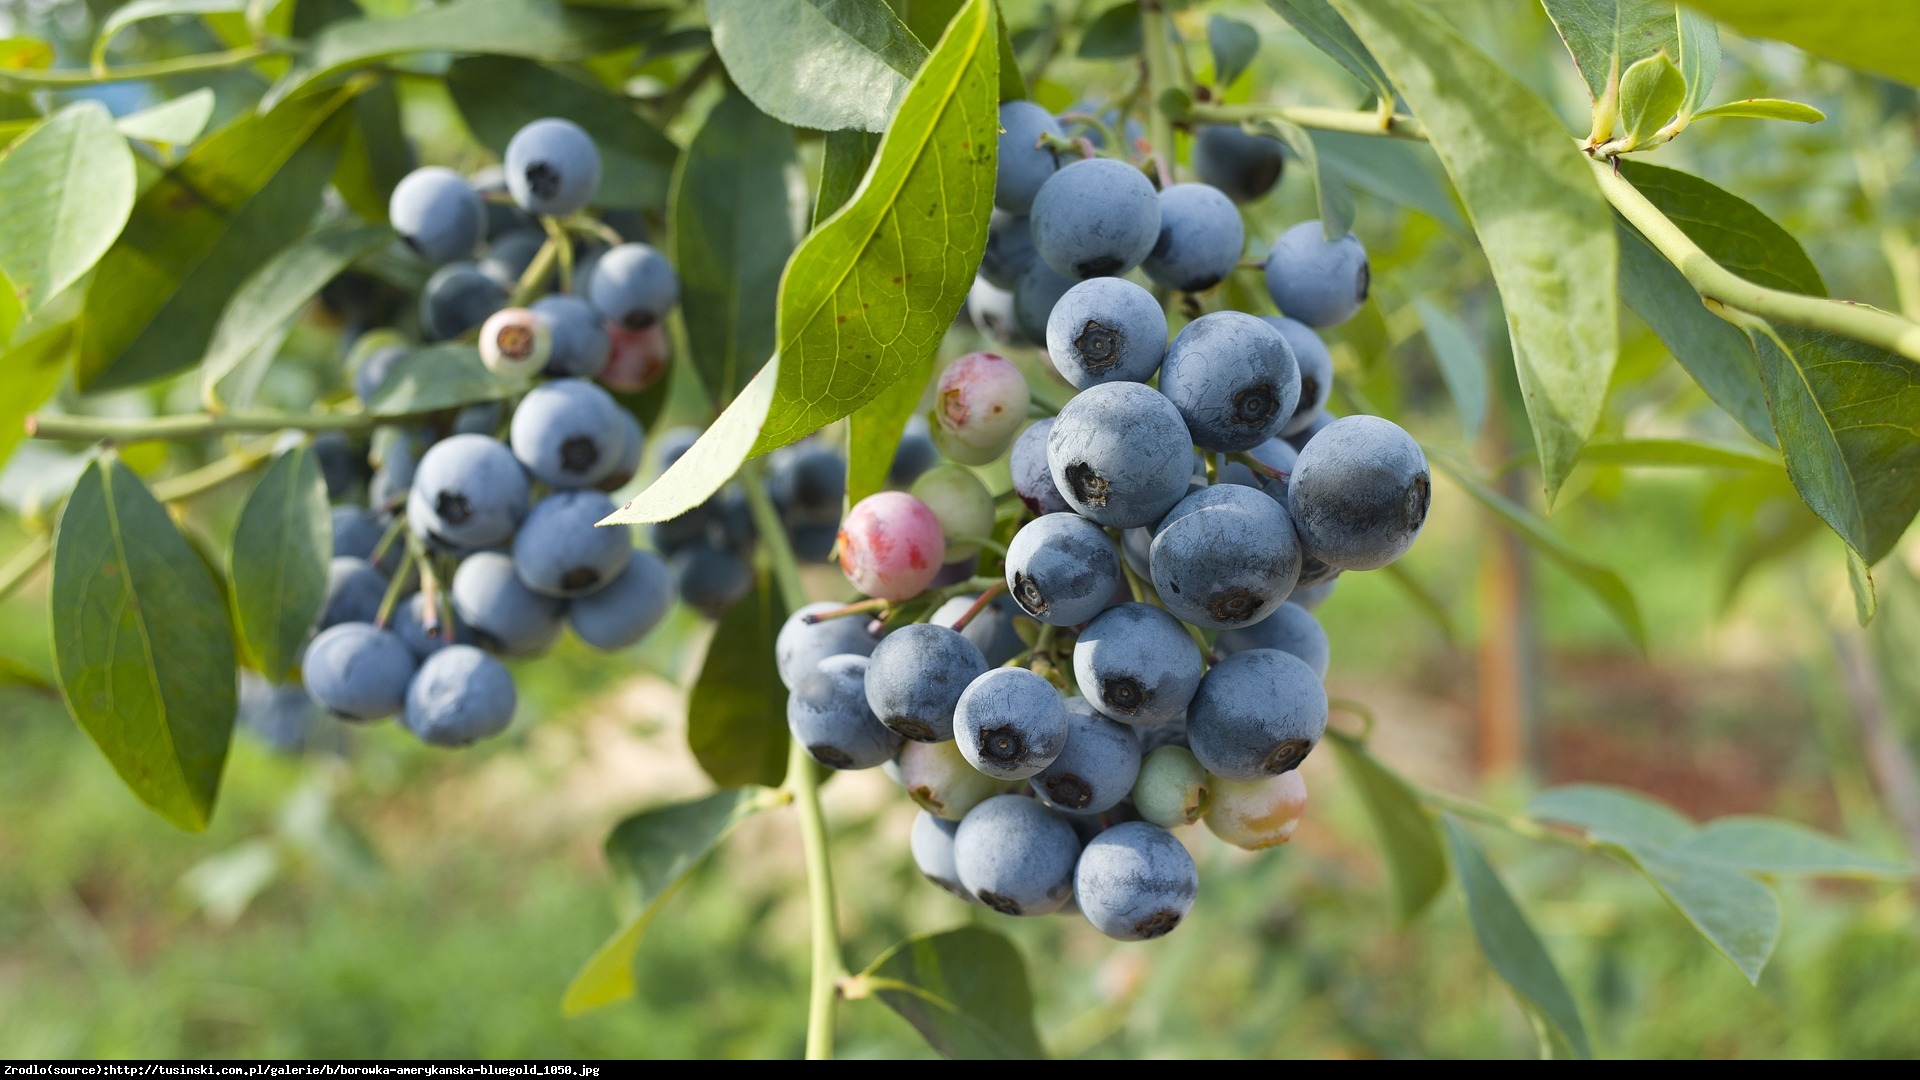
(979, 408)
(636, 359)
(516, 343)
(891, 546)
(1256, 814)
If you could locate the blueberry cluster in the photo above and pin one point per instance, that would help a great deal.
(1153, 660)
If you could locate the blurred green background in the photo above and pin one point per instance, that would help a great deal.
(391, 900)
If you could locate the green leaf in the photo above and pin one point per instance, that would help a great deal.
(16, 673)
(1738, 915)
(1613, 814)
(1712, 350)
(1335, 202)
(281, 547)
(653, 852)
(1234, 45)
(25, 54)
(171, 123)
(737, 713)
(1607, 37)
(1682, 453)
(870, 293)
(874, 431)
(142, 644)
(1316, 21)
(1511, 947)
(1416, 864)
(1462, 367)
(1866, 603)
(844, 165)
(376, 156)
(1604, 584)
(70, 187)
(197, 234)
(277, 292)
(30, 372)
(1728, 228)
(533, 29)
(1651, 92)
(1766, 109)
(1424, 598)
(499, 95)
(824, 64)
(964, 990)
(1534, 204)
(1870, 35)
(1761, 845)
(1392, 169)
(1699, 57)
(154, 9)
(1113, 34)
(739, 208)
(444, 376)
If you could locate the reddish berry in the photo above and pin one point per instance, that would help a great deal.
(979, 407)
(637, 358)
(891, 546)
(1256, 814)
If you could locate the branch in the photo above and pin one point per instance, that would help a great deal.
(1158, 49)
(1352, 121)
(189, 426)
(183, 65)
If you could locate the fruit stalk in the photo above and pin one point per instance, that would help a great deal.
(1158, 51)
(1351, 121)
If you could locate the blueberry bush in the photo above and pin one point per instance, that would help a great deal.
(990, 308)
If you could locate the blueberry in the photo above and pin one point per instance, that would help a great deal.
(515, 343)
(354, 592)
(1034, 299)
(559, 551)
(942, 782)
(507, 617)
(627, 608)
(1316, 371)
(1016, 855)
(1242, 165)
(916, 678)
(1291, 629)
(711, 579)
(457, 298)
(1096, 768)
(340, 466)
(1258, 713)
(1226, 557)
(809, 485)
(992, 630)
(1300, 439)
(931, 842)
(1172, 787)
(284, 716)
(813, 543)
(1170, 733)
(1258, 813)
(1201, 237)
(568, 433)
(1106, 330)
(914, 455)
(963, 506)
(1319, 283)
(460, 696)
(1009, 250)
(1032, 480)
(828, 715)
(580, 343)
(1233, 380)
(1062, 569)
(1359, 493)
(1137, 664)
(991, 309)
(1010, 723)
(437, 213)
(1024, 164)
(357, 532)
(1095, 218)
(801, 645)
(358, 671)
(409, 621)
(469, 492)
(553, 167)
(1120, 454)
(374, 367)
(633, 286)
(510, 253)
(1312, 596)
(1135, 882)
(627, 465)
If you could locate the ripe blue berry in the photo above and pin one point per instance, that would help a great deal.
(410, 622)
(568, 433)
(1291, 629)
(1097, 766)
(1137, 664)
(992, 631)
(437, 213)
(1120, 454)
(828, 715)
(1032, 480)
(1024, 164)
(1009, 250)
(1010, 723)
(1319, 283)
(1359, 493)
(1016, 855)
(1258, 713)
(1316, 371)
(580, 342)
(1201, 237)
(801, 645)
(633, 286)
(711, 579)
(358, 671)
(1062, 569)
(632, 604)
(507, 617)
(552, 167)
(931, 842)
(354, 592)
(1106, 330)
(461, 695)
(1135, 882)
(916, 677)
(559, 551)
(468, 492)
(1034, 298)
(1242, 165)
(457, 298)
(1095, 218)
(1233, 380)
(1227, 556)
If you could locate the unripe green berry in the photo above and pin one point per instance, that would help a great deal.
(961, 502)
(942, 782)
(1172, 789)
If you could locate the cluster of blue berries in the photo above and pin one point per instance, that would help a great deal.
(1154, 660)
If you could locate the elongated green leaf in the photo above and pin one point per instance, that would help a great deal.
(25, 54)
(1699, 57)
(737, 713)
(376, 156)
(1871, 35)
(1334, 200)
(875, 428)
(499, 95)
(1113, 33)
(70, 187)
(1712, 350)
(1534, 205)
(279, 563)
(1604, 584)
(280, 289)
(1509, 943)
(1606, 37)
(30, 372)
(1762, 845)
(870, 293)
(1234, 45)
(1392, 169)
(1651, 92)
(197, 234)
(1424, 598)
(1766, 109)
(1738, 915)
(142, 644)
(739, 207)
(964, 990)
(1319, 23)
(824, 64)
(534, 29)
(1728, 228)
(171, 123)
(139, 10)
(1409, 844)
(1681, 453)
(445, 376)
(652, 853)
(1609, 813)
(1462, 366)
(848, 155)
